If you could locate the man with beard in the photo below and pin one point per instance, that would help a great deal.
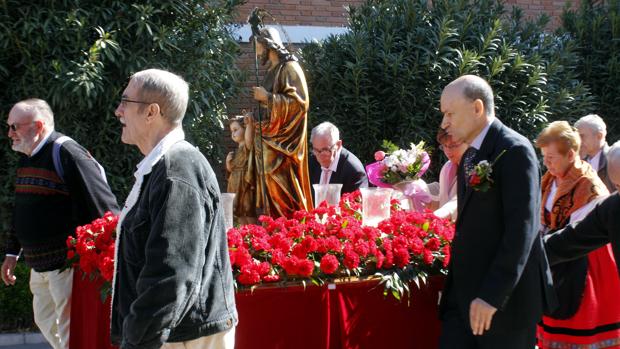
(58, 186)
(279, 158)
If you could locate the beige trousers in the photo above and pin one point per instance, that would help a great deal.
(222, 340)
(51, 304)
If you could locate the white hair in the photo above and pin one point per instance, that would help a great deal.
(326, 129)
(38, 109)
(168, 90)
(593, 122)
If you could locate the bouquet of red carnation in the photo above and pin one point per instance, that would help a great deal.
(328, 243)
(92, 250)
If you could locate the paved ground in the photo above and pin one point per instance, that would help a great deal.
(28, 346)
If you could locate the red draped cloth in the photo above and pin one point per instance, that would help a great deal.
(90, 318)
(353, 315)
(349, 316)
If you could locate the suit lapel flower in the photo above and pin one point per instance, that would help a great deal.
(479, 178)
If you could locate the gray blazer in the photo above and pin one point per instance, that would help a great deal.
(602, 169)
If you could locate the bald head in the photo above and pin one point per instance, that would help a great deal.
(474, 87)
(467, 107)
(613, 164)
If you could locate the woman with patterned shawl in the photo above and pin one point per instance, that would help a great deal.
(588, 289)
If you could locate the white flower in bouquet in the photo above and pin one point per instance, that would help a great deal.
(397, 165)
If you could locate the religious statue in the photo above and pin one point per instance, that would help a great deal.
(279, 156)
(240, 180)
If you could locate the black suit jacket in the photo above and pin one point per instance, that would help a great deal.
(497, 252)
(600, 227)
(350, 172)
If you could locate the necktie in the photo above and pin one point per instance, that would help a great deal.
(325, 176)
(468, 161)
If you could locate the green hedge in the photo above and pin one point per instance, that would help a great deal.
(595, 29)
(383, 79)
(78, 55)
(16, 303)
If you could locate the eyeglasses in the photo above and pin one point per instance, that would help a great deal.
(17, 125)
(449, 147)
(324, 150)
(124, 102)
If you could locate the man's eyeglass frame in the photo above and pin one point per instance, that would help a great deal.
(324, 150)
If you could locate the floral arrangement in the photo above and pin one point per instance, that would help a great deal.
(329, 243)
(479, 178)
(396, 165)
(92, 250)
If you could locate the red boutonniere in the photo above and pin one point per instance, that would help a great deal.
(479, 178)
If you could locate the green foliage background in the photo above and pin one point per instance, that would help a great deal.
(595, 28)
(78, 55)
(383, 79)
(16, 301)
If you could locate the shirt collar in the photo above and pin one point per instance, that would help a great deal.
(41, 144)
(595, 160)
(334, 164)
(477, 143)
(146, 165)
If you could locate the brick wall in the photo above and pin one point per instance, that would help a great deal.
(533, 8)
(302, 12)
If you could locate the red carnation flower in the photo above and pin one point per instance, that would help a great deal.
(428, 257)
(401, 257)
(474, 180)
(351, 259)
(379, 259)
(305, 267)
(329, 264)
(249, 277)
(433, 244)
(271, 278)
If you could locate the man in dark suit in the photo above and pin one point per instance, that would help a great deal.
(594, 148)
(600, 227)
(499, 279)
(332, 163)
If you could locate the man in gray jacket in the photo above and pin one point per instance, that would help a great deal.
(594, 148)
(173, 286)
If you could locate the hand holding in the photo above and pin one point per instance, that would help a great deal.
(260, 94)
(8, 270)
(480, 316)
(248, 119)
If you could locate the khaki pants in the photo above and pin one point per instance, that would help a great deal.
(222, 340)
(51, 304)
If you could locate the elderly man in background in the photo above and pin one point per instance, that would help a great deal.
(333, 163)
(600, 227)
(58, 187)
(594, 148)
(173, 285)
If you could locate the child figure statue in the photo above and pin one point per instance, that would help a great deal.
(240, 180)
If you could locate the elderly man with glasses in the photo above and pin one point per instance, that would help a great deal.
(58, 187)
(173, 284)
(332, 163)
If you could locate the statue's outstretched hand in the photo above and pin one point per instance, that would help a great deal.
(260, 94)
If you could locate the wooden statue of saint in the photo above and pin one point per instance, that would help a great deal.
(279, 156)
(240, 180)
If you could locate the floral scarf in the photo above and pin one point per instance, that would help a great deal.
(580, 186)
